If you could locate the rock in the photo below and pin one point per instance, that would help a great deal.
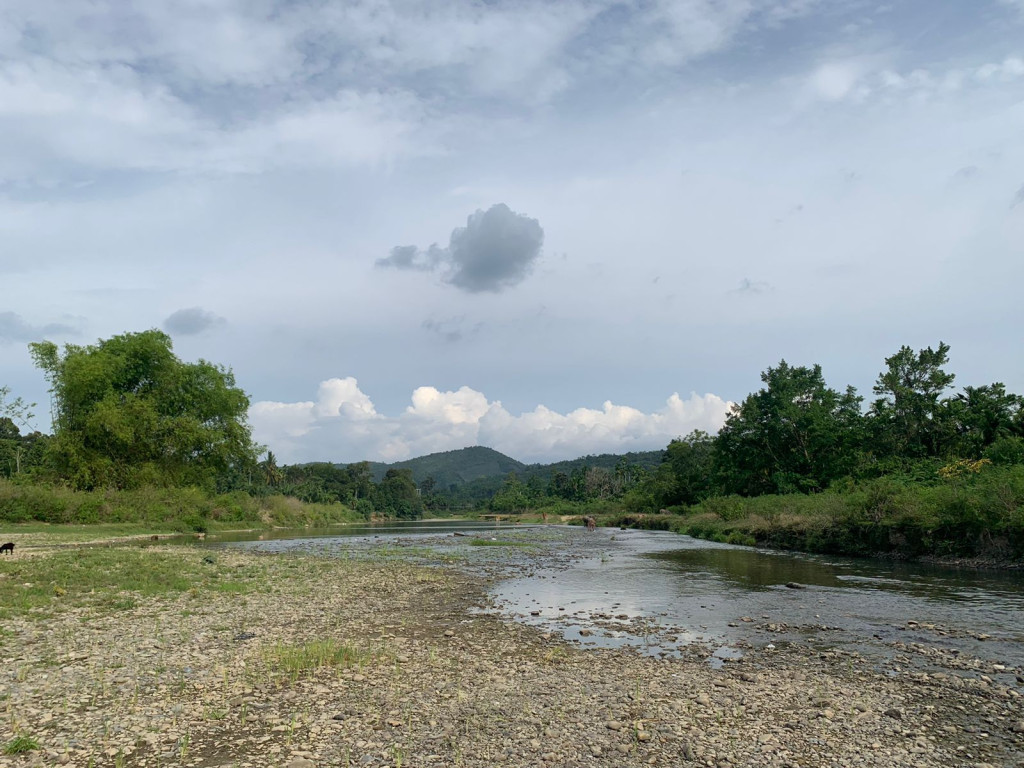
(613, 725)
(301, 762)
(595, 750)
(795, 585)
(643, 736)
(895, 714)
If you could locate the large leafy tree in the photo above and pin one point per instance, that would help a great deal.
(795, 434)
(984, 415)
(127, 412)
(685, 473)
(909, 417)
(397, 495)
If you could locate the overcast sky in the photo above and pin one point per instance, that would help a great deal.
(553, 228)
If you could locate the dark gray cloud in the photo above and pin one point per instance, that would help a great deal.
(966, 173)
(13, 328)
(411, 257)
(752, 286)
(451, 329)
(495, 250)
(191, 321)
(1019, 197)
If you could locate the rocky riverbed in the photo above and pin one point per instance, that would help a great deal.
(286, 659)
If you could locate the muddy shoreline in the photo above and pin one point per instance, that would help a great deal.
(423, 675)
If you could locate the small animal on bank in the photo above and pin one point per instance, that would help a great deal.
(7, 548)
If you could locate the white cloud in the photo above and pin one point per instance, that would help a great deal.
(343, 425)
(859, 79)
(836, 80)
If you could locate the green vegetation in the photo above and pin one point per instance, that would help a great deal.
(499, 543)
(128, 413)
(142, 438)
(20, 744)
(110, 579)
(171, 509)
(799, 465)
(295, 661)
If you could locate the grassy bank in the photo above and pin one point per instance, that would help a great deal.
(964, 516)
(170, 509)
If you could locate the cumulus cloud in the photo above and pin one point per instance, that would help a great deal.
(342, 424)
(14, 328)
(192, 321)
(495, 250)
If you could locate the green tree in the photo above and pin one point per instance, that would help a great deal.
(16, 411)
(983, 415)
(513, 496)
(398, 496)
(272, 474)
(909, 418)
(795, 434)
(128, 412)
(685, 474)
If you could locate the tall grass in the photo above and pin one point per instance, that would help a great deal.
(979, 515)
(182, 509)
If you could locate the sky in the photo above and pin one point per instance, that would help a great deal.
(551, 228)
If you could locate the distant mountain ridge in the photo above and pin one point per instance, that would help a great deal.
(466, 465)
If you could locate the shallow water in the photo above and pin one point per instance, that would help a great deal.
(661, 591)
(653, 585)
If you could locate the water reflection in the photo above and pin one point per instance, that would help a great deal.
(694, 590)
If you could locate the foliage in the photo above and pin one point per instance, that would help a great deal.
(908, 417)
(182, 509)
(795, 434)
(397, 495)
(127, 412)
(20, 744)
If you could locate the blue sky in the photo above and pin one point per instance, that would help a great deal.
(552, 228)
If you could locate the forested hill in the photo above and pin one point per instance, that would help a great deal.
(453, 467)
(648, 460)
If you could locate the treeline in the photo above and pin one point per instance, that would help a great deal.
(395, 496)
(797, 435)
(128, 415)
(922, 470)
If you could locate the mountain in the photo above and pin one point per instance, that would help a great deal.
(452, 469)
(649, 460)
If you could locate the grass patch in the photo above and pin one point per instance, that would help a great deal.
(20, 744)
(498, 543)
(295, 661)
(111, 578)
(154, 510)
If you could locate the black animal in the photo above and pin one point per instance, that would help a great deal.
(8, 547)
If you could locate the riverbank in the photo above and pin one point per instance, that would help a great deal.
(178, 510)
(125, 656)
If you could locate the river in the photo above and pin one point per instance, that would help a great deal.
(662, 592)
